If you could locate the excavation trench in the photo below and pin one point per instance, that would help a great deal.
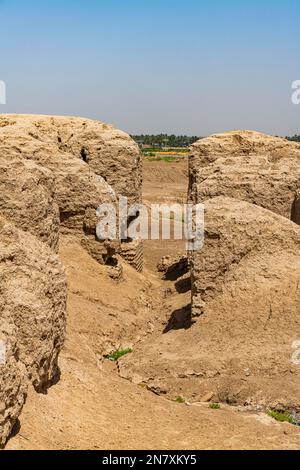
(186, 372)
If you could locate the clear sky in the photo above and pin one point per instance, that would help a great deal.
(193, 66)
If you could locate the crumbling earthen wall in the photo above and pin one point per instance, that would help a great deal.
(240, 234)
(54, 174)
(245, 291)
(49, 185)
(33, 319)
(92, 164)
(248, 166)
(247, 274)
(28, 198)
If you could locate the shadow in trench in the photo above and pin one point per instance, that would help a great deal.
(177, 270)
(183, 285)
(180, 319)
(295, 213)
(14, 432)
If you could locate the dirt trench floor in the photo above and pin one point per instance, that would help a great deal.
(92, 407)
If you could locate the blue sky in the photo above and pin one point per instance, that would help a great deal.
(194, 67)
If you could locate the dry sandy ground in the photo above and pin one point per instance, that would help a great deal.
(91, 407)
(164, 182)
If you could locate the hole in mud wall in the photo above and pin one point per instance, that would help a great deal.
(84, 155)
(66, 216)
(111, 261)
(295, 215)
(90, 230)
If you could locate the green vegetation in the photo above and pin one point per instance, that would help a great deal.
(150, 150)
(177, 150)
(215, 406)
(165, 140)
(180, 400)
(295, 138)
(116, 355)
(281, 417)
(162, 159)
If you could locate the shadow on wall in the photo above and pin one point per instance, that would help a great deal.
(295, 215)
(180, 319)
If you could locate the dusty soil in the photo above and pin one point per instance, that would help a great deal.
(164, 182)
(91, 406)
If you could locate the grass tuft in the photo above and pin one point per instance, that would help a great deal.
(215, 406)
(116, 355)
(180, 400)
(281, 417)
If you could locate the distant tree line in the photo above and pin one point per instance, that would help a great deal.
(165, 140)
(295, 138)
